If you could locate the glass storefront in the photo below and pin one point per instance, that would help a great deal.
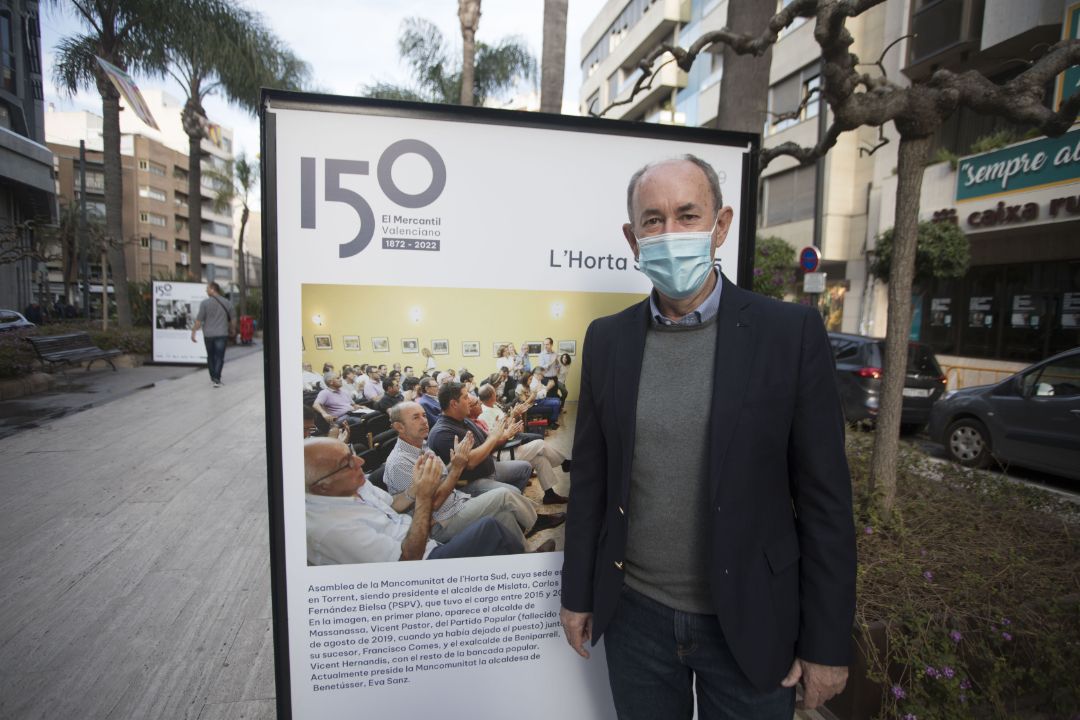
(1021, 312)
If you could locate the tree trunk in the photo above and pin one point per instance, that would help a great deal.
(913, 154)
(243, 262)
(192, 118)
(114, 222)
(553, 60)
(744, 86)
(469, 15)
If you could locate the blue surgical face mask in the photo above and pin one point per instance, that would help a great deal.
(677, 263)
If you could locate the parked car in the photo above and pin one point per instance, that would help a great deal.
(1031, 419)
(10, 320)
(860, 364)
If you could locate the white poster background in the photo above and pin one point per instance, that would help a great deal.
(518, 205)
(175, 306)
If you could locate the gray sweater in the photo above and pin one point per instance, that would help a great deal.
(667, 548)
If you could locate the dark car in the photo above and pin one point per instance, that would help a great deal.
(860, 364)
(1031, 419)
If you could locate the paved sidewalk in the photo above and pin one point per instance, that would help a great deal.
(135, 573)
(79, 389)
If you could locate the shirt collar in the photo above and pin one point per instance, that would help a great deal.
(703, 313)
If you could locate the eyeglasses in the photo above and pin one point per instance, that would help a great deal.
(350, 461)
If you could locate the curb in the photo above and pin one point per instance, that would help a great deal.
(31, 384)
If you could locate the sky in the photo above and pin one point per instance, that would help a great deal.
(347, 44)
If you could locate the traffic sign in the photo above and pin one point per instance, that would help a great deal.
(809, 258)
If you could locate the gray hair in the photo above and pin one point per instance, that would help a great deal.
(486, 392)
(710, 176)
(398, 410)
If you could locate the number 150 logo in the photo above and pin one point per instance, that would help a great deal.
(333, 191)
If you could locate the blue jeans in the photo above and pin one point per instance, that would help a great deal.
(215, 356)
(655, 654)
(484, 537)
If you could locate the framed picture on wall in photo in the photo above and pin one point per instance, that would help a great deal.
(496, 347)
(568, 346)
(470, 348)
(440, 347)
(535, 348)
(352, 342)
(409, 345)
(380, 344)
(322, 342)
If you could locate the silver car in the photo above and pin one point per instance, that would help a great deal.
(11, 320)
(1031, 419)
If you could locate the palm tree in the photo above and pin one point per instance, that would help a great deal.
(116, 31)
(469, 15)
(213, 46)
(236, 185)
(437, 76)
(553, 57)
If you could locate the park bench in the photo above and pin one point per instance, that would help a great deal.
(70, 348)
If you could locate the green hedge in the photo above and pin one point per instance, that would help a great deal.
(17, 356)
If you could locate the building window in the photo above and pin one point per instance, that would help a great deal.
(7, 52)
(181, 225)
(152, 219)
(152, 167)
(152, 193)
(158, 243)
(786, 95)
(789, 196)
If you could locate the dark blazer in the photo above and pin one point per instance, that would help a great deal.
(782, 560)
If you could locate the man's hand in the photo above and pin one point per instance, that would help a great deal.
(426, 476)
(459, 455)
(498, 427)
(513, 429)
(820, 682)
(577, 626)
(520, 409)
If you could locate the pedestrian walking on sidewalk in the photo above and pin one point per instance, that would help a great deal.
(217, 322)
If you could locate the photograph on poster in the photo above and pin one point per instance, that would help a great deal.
(381, 524)
(534, 347)
(175, 314)
(409, 345)
(568, 347)
(350, 342)
(440, 347)
(322, 342)
(380, 344)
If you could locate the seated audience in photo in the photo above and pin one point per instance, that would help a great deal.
(397, 368)
(391, 395)
(444, 377)
(544, 405)
(348, 383)
(327, 372)
(429, 400)
(410, 389)
(536, 451)
(383, 370)
(312, 418)
(373, 389)
(454, 510)
(349, 520)
(334, 402)
(466, 378)
(311, 380)
(409, 371)
(482, 472)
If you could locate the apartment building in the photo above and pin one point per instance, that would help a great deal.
(156, 207)
(627, 30)
(26, 165)
(1024, 284)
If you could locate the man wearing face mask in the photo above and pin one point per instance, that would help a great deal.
(709, 537)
